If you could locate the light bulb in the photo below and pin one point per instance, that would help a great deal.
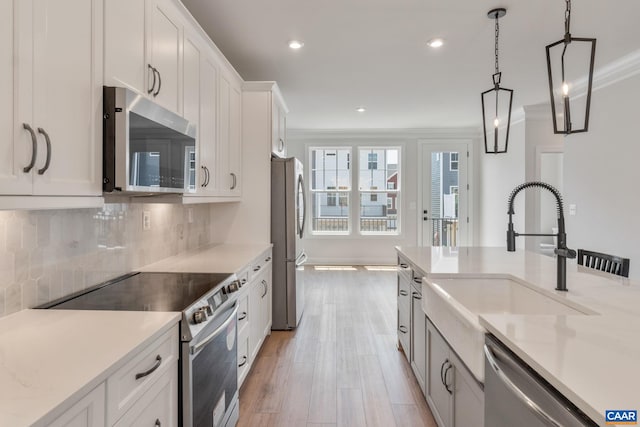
(296, 44)
(496, 122)
(565, 89)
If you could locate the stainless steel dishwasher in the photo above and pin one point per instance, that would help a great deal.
(515, 395)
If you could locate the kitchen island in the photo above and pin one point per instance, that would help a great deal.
(591, 359)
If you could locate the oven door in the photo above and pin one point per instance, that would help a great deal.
(210, 376)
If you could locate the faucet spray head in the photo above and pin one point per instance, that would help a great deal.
(511, 237)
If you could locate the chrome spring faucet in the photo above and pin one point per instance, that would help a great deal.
(562, 251)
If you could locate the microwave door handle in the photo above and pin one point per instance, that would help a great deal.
(521, 395)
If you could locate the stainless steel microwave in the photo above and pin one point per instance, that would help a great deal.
(146, 148)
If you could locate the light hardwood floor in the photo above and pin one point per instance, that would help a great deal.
(341, 366)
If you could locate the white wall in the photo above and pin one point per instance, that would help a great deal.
(499, 174)
(601, 175)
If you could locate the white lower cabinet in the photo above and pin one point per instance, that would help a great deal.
(143, 391)
(454, 396)
(158, 406)
(418, 357)
(254, 311)
(87, 412)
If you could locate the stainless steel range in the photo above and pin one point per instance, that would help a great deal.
(208, 334)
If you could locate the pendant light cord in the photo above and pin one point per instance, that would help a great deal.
(497, 33)
(567, 17)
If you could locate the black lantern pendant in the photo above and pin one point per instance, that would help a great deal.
(572, 57)
(496, 103)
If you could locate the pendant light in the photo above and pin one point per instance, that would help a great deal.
(496, 102)
(568, 60)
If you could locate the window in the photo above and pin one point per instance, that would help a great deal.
(330, 188)
(453, 161)
(377, 192)
(372, 161)
(378, 169)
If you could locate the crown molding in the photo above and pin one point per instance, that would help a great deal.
(427, 133)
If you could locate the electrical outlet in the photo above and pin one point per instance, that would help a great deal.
(146, 220)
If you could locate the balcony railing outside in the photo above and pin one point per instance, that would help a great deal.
(367, 225)
(444, 231)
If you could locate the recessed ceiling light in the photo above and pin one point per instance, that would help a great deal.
(296, 44)
(361, 109)
(435, 43)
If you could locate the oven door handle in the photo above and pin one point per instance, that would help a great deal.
(196, 348)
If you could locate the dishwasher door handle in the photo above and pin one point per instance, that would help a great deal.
(522, 396)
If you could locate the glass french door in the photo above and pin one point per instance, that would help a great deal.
(445, 195)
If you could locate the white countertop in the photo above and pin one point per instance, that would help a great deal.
(225, 258)
(52, 357)
(593, 360)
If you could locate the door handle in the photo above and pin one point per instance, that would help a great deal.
(34, 149)
(235, 181)
(159, 82)
(153, 85)
(48, 159)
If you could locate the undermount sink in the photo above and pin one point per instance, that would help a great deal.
(454, 306)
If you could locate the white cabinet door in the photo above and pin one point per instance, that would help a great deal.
(87, 412)
(439, 392)
(208, 144)
(68, 96)
(15, 104)
(229, 136)
(124, 45)
(418, 338)
(256, 331)
(468, 402)
(165, 48)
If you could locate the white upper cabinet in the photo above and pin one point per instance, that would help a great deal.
(279, 124)
(51, 130)
(143, 49)
(230, 135)
(164, 42)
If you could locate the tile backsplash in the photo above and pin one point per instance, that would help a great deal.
(45, 255)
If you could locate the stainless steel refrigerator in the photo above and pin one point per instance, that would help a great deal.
(287, 229)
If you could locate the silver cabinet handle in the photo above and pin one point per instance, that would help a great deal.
(280, 144)
(267, 259)
(404, 266)
(416, 295)
(34, 149)
(153, 85)
(48, 160)
(541, 413)
(206, 176)
(404, 293)
(417, 280)
(235, 181)
(444, 376)
(159, 82)
(402, 329)
(151, 370)
(242, 316)
(257, 268)
(265, 284)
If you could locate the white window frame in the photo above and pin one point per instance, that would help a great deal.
(342, 193)
(456, 161)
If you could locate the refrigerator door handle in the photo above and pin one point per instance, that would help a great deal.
(302, 258)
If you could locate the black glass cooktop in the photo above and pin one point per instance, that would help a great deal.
(144, 292)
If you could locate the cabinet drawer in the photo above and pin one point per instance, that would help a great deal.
(243, 312)
(129, 382)
(404, 291)
(243, 356)
(260, 264)
(158, 406)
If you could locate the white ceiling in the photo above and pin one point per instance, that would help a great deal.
(373, 53)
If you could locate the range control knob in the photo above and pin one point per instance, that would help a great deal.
(207, 308)
(199, 316)
(233, 287)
